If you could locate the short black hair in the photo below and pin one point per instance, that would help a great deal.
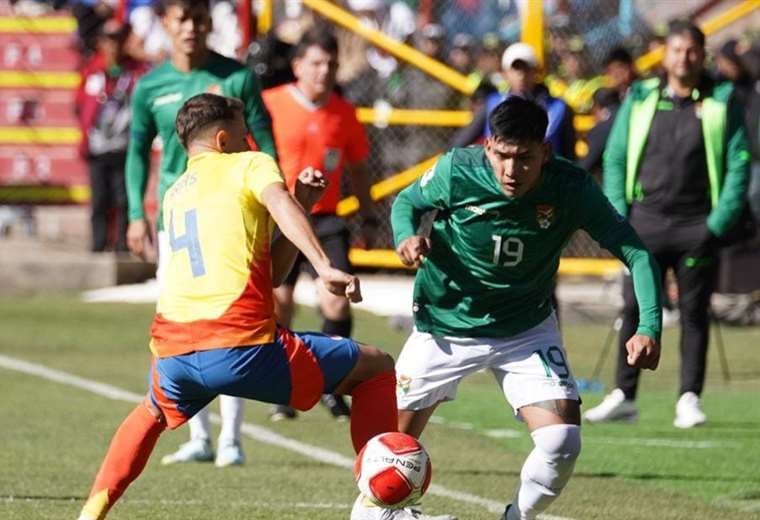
(618, 55)
(201, 111)
(163, 5)
(606, 97)
(685, 27)
(518, 119)
(320, 36)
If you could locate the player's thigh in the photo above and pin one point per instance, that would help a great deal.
(176, 388)
(318, 364)
(429, 368)
(532, 367)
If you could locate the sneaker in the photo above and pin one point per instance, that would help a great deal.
(195, 450)
(281, 412)
(688, 411)
(365, 510)
(614, 407)
(230, 454)
(337, 406)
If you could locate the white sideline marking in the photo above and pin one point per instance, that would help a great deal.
(253, 431)
(621, 441)
(191, 502)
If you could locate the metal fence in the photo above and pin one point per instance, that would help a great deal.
(579, 34)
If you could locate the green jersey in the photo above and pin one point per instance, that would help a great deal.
(491, 269)
(158, 97)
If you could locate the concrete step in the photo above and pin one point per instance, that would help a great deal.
(35, 266)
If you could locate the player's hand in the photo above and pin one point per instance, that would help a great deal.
(309, 187)
(340, 283)
(413, 249)
(137, 236)
(643, 352)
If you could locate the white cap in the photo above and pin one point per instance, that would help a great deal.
(519, 51)
(364, 5)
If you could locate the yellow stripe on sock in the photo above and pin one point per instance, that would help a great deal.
(96, 506)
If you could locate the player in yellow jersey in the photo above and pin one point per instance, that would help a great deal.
(214, 330)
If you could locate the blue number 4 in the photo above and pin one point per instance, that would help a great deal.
(188, 241)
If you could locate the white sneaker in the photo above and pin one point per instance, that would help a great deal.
(365, 510)
(194, 450)
(688, 411)
(229, 454)
(614, 407)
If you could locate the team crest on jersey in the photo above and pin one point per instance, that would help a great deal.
(544, 215)
(403, 383)
(331, 160)
(215, 88)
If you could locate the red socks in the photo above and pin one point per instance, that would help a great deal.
(129, 452)
(373, 408)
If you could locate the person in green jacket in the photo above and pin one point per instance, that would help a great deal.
(191, 69)
(676, 164)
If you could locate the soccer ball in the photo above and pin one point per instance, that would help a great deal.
(393, 470)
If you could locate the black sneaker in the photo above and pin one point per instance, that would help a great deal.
(281, 412)
(337, 406)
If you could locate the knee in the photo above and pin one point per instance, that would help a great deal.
(560, 443)
(376, 361)
(335, 307)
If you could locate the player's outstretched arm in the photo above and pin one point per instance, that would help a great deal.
(295, 226)
(308, 189)
(406, 213)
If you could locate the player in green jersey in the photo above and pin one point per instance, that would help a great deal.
(482, 297)
(191, 69)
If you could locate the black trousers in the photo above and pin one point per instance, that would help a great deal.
(671, 244)
(108, 191)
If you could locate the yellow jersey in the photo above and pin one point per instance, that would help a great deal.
(217, 290)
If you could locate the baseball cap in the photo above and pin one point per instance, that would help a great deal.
(433, 31)
(518, 52)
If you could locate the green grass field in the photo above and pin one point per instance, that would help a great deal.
(53, 435)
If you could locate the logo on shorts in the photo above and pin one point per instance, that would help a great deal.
(544, 215)
(403, 383)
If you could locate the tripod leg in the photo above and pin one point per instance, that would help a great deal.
(721, 352)
(608, 341)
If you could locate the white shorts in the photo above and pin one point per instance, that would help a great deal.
(530, 367)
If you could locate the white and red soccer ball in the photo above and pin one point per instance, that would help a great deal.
(393, 470)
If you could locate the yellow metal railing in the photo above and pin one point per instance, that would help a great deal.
(404, 52)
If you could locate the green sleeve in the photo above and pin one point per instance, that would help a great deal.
(733, 195)
(142, 133)
(257, 117)
(614, 233)
(430, 191)
(615, 158)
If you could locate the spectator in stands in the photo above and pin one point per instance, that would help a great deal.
(149, 41)
(90, 16)
(606, 102)
(573, 82)
(424, 92)
(103, 108)
(488, 64)
(460, 55)
(734, 63)
(520, 67)
(314, 126)
(620, 70)
(676, 164)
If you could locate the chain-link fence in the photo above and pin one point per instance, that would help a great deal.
(469, 36)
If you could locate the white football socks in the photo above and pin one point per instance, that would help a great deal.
(546, 470)
(231, 409)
